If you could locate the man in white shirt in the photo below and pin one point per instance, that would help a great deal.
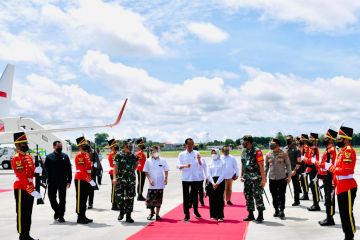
(156, 170)
(231, 172)
(189, 163)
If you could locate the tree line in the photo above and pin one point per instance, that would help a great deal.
(261, 142)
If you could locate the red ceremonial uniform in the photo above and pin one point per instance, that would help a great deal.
(330, 152)
(83, 166)
(141, 159)
(24, 169)
(309, 154)
(343, 170)
(111, 157)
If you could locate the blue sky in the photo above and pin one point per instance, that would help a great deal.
(226, 68)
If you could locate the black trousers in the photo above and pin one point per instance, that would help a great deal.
(346, 203)
(82, 193)
(200, 188)
(216, 199)
(296, 186)
(329, 195)
(53, 190)
(190, 196)
(114, 204)
(278, 190)
(314, 186)
(24, 205)
(141, 181)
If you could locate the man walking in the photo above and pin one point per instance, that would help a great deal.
(58, 167)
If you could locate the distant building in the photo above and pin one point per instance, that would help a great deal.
(172, 146)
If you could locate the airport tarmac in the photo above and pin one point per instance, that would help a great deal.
(299, 223)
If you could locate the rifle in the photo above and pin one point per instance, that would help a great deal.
(40, 179)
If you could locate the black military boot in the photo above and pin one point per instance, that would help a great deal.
(314, 208)
(260, 217)
(141, 198)
(250, 217)
(121, 215)
(328, 221)
(282, 215)
(305, 196)
(129, 219)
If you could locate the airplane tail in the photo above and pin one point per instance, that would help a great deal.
(6, 85)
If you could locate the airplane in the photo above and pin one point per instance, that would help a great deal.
(36, 133)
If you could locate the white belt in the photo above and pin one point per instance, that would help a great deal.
(88, 171)
(343, 177)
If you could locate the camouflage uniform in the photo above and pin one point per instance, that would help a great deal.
(250, 159)
(126, 181)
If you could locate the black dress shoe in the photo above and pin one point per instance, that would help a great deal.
(295, 204)
(276, 214)
(282, 215)
(186, 218)
(115, 208)
(89, 220)
(329, 221)
(158, 218)
(141, 198)
(82, 221)
(90, 207)
(229, 203)
(61, 220)
(314, 208)
(56, 216)
(197, 214)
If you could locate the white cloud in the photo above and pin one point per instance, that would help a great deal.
(20, 48)
(207, 32)
(319, 15)
(104, 25)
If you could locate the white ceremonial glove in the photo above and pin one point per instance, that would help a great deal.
(302, 158)
(92, 183)
(36, 194)
(304, 174)
(38, 170)
(328, 165)
(313, 160)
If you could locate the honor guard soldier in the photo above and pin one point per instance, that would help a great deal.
(310, 158)
(345, 183)
(253, 176)
(125, 164)
(83, 180)
(329, 156)
(139, 170)
(114, 148)
(294, 156)
(304, 149)
(24, 189)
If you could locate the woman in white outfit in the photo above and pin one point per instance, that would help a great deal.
(216, 187)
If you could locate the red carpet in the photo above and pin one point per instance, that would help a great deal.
(5, 190)
(172, 227)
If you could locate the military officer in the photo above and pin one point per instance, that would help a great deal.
(125, 180)
(139, 169)
(253, 176)
(114, 147)
(294, 155)
(83, 180)
(304, 149)
(24, 190)
(310, 158)
(345, 183)
(329, 156)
